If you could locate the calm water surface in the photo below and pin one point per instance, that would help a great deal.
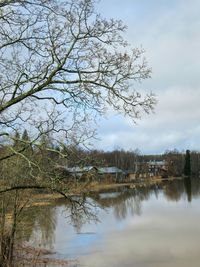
(157, 226)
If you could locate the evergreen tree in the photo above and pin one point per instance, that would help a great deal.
(16, 141)
(25, 136)
(187, 167)
(25, 142)
(45, 142)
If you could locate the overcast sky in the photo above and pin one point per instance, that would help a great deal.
(169, 31)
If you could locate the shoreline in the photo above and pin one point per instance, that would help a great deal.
(42, 199)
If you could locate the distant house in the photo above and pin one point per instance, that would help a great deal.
(81, 170)
(157, 168)
(140, 170)
(80, 173)
(94, 173)
(145, 169)
(130, 176)
(83, 173)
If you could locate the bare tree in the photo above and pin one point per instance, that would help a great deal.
(61, 64)
(68, 56)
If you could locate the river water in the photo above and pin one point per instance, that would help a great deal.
(155, 226)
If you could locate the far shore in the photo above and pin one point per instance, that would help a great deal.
(41, 199)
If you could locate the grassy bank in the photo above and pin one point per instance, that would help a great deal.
(41, 199)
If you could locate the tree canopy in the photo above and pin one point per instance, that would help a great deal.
(61, 61)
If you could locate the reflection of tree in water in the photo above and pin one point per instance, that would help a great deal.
(195, 187)
(129, 201)
(80, 214)
(188, 188)
(177, 189)
(41, 220)
(123, 203)
(131, 205)
(22, 221)
(173, 190)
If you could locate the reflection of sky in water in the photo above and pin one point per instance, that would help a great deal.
(165, 234)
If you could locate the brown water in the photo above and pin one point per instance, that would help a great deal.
(157, 226)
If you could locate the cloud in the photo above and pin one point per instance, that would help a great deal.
(169, 31)
(173, 125)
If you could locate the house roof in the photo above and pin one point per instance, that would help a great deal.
(102, 170)
(109, 170)
(157, 163)
(78, 169)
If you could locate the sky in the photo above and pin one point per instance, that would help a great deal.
(169, 31)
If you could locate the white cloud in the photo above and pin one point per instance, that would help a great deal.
(169, 31)
(174, 124)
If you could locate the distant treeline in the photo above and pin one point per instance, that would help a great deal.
(23, 157)
(126, 160)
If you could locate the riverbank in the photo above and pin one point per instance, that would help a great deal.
(26, 255)
(41, 199)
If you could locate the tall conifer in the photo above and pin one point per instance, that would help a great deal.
(187, 167)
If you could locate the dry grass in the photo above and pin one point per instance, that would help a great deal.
(43, 199)
(36, 257)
